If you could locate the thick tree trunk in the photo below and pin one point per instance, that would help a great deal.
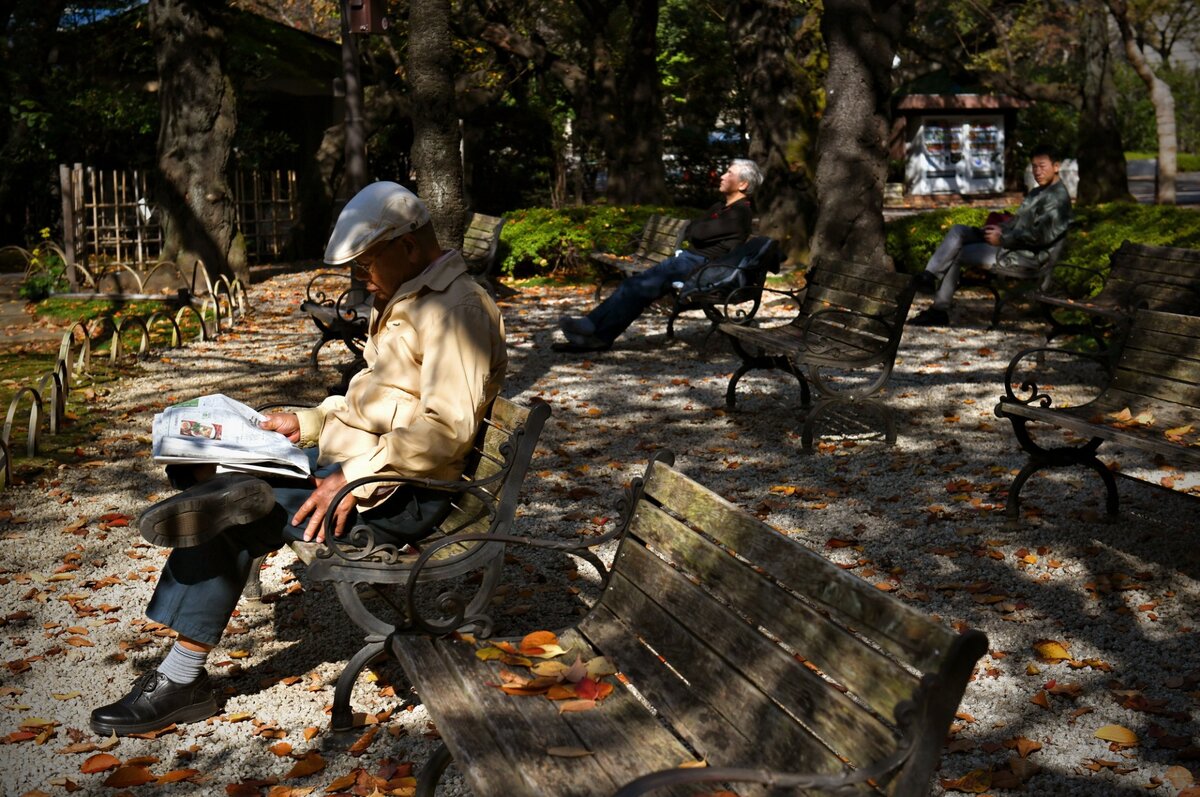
(1160, 97)
(437, 138)
(1102, 174)
(861, 37)
(198, 118)
(779, 81)
(635, 164)
(25, 55)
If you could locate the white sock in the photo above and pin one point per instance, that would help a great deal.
(183, 666)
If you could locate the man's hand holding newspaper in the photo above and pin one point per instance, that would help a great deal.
(217, 429)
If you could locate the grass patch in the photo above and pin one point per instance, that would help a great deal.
(68, 311)
(1098, 232)
(1184, 161)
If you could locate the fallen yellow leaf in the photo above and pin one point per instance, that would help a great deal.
(1050, 650)
(1118, 734)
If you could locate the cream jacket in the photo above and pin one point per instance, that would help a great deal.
(435, 359)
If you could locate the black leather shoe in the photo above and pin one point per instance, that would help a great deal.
(204, 510)
(930, 317)
(156, 702)
(926, 282)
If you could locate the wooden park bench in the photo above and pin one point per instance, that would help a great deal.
(1009, 283)
(1150, 403)
(366, 572)
(341, 312)
(1140, 276)
(659, 239)
(850, 320)
(741, 657)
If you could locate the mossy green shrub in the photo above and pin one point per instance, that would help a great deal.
(537, 241)
(1097, 233)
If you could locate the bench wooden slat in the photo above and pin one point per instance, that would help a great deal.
(865, 671)
(703, 651)
(903, 631)
(507, 755)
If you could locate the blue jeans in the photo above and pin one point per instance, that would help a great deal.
(200, 586)
(614, 315)
(963, 245)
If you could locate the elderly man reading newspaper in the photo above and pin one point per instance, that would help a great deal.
(435, 359)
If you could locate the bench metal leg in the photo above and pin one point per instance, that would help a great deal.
(342, 718)
(1058, 457)
(764, 362)
(823, 406)
(433, 770)
(253, 589)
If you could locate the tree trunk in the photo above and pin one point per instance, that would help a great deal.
(25, 55)
(635, 157)
(436, 146)
(1160, 97)
(780, 82)
(1102, 173)
(860, 36)
(198, 118)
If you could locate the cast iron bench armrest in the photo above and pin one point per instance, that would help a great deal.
(320, 297)
(1043, 399)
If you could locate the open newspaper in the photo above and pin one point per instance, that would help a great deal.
(217, 429)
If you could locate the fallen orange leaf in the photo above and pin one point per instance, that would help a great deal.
(280, 749)
(129, 776)
(575, 705)
(175, 775)
(309, 764)
(101, 762)
(977, 781)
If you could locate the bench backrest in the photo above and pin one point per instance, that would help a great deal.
(1160, 360)
(835, 285)
(732, 631)
(661, 236)
(495, 470)
(481, 241)
(1155, 277)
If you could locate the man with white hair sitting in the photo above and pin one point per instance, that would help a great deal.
(722, 227)
(435, 359)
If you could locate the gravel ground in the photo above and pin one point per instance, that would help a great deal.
(922, 518)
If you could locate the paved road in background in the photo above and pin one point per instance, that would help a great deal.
(1141, 184)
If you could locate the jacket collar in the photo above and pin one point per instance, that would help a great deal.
(436, 277)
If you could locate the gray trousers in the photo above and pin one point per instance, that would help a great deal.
(963, 245)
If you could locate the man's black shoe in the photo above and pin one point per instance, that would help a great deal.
(930, 317)
(577, 325)
(204, 510)
(926, 282)
(156, 702)
(576, 343)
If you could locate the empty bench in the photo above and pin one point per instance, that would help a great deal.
(851, 318)
(1139, 276)
(773, 665)
(1151, 403)
(659, 239)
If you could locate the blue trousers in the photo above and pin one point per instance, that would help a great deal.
(631, 298)
(200, 586)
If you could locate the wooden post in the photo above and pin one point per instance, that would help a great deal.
(67, 190)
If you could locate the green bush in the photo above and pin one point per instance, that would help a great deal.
(1098, 231)
(541, 240)
(46, 272)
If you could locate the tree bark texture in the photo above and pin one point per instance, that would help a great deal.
(1102, 174)
(636, 175)
(25, 56)
(861, 38)
(436, 146)
(778, 74)
(1160, 97)
(198, 118)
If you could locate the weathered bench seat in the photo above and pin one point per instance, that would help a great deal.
(734, 646)
(851, 318)
(1140, 276)
(1156, 378)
